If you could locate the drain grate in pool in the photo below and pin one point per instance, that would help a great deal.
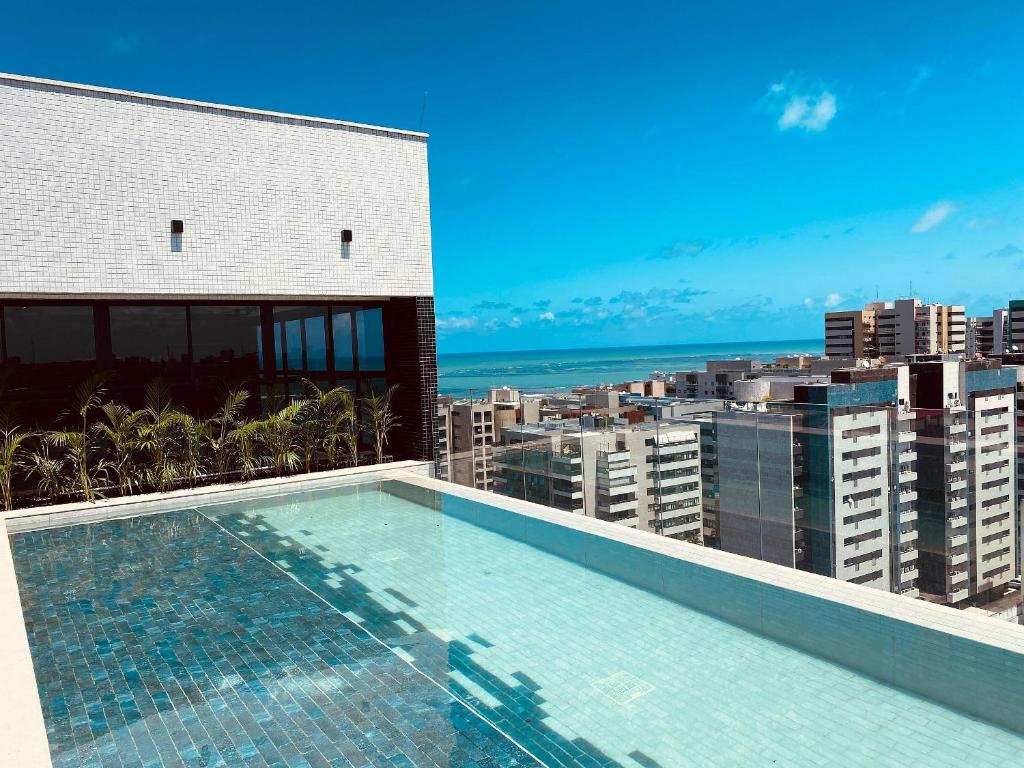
(623, 687)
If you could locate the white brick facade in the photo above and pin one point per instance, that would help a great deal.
(91, 178)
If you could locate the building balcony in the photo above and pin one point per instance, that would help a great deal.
(956, 541)
(908, 536)
(616, 473)
(907, 474)
(673, 464)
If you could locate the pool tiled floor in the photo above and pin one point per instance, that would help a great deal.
(586, 670)
(161, 641)
(347, 627)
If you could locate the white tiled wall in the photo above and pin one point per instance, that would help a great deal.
(90, 181)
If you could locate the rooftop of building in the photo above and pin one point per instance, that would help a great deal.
(170, 101)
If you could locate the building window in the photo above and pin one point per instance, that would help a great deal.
(225, 335)
(301, 336)
(42, 334)
(148, 334)
(341, 327)
(370, 333)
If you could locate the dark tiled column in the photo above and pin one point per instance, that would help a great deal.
(410, 349)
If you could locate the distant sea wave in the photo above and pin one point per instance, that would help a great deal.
(549, 371)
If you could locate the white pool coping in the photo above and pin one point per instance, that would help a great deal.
(22, 730)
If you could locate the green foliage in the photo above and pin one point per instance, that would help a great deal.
(106, 447)
(380, 419)
(12, 450)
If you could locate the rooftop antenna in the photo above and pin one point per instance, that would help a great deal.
(423, 110)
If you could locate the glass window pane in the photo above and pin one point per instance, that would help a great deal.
(370, 330)
(304, 331)
(49, 334)
(225, 334)
(316, 343)
(148, 334)
(293, 344)
(343, 358)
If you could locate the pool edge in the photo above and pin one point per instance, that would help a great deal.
(23, 740)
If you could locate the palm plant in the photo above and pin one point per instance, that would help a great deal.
(157, 434)
(50, 472)
(121, 431)
(12, 447)
(329, 424)
(380, 419)
(278, 433)
(222, 430)
(78, 444)
(190, 463)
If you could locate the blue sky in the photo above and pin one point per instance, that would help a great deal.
(642, 173)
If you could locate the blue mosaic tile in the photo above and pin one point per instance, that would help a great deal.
(161, 641)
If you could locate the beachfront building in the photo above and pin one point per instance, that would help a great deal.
(823, 481)
(902, 327)
(210, 246)
(967, 456)
(645, 476)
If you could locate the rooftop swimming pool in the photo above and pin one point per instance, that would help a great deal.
(385, 624)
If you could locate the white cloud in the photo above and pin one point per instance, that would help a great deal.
(548, 316)
(982, 222)
(456, 323)
(833, 300)
(515, 322)
(810, 113)
(799, 104)
(808, 302)
(934, 216)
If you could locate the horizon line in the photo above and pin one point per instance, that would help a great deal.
(630, 346)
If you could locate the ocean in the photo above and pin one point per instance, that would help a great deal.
(561, 369)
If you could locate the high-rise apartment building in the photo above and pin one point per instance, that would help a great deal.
(645, 476)
(853, 334)
(824, 482)
(859, 479)
(759, 465)
(211, 246)
(845, 334)
(468, 430)
(1016, 320)
(967, 456)
(903, 327)
(988, 335)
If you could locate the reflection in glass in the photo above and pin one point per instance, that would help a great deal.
(370, 330)
(225, 334)
(342, 329)
(148, 334)
(316, 343)
(301, 335)
(49, 334)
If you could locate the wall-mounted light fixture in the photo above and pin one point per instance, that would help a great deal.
(177, 226)
(346, 235)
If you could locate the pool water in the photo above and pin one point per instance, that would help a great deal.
(408, 636)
